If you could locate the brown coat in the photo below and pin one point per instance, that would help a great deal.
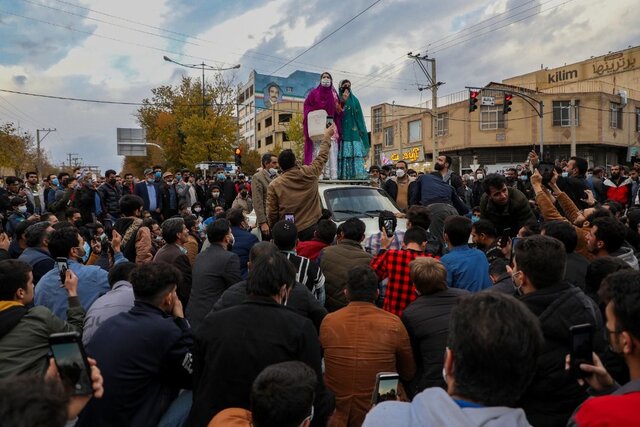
(359, 341)
(296, 192)
(172, 254)
(259, 186)
(335, 263)
(144, 254)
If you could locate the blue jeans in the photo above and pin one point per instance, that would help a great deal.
(176, 415)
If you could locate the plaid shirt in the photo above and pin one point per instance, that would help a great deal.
(394, 265)
(373, 242)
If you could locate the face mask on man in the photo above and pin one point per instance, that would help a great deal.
(22, 209)
(479, 176)
(273, 172)
(524, 178)
(55, 182)
(197, 210)
(400, 173)
(158, 175)
(151, 180)
(565, 174)
(325, 82)
(221, 177)
(215, 194)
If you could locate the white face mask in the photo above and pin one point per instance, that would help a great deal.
(480, 176)
(273, 172)
(197, 209)
(400, 173)
(22, 209)
(325, 82)
(233, 240)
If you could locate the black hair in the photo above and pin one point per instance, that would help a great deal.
(62, 241)
(17, 201)
(151, 282)
(235, 217)
(486, 227)
(498, 266)
(28, 174)
(190, 221)
(217, 230)
(542, 258)
(30, 400)
(599, 269)
(353, 229)
(266, 158)
(611, 232)
(14, 275)
(268, 273)
(402, 161)
(284, 234)
(149, 223)
(581, 164)
(562, 231)
(496, 341)
(362, 283)
(622, 290)
(614, 207)
(458, 230)
(286, 159)
(495, 181)
(109, 172)
(10, 180)
(598, 212)
(448, 159)
(415, 235)
(120, 272)
(419, 216)
(326, 230)
(70, 212)
(171, 228)
(130, 203)
(36, 233)
(531, 228)
(282, 395)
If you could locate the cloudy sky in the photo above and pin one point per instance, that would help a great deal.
(112, 50)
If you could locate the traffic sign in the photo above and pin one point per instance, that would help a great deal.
(488, 100)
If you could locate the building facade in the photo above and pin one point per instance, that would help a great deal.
(262, 93)
(272, 126)
(606, 129)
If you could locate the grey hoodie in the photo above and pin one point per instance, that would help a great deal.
(626, 254)
(433, 408)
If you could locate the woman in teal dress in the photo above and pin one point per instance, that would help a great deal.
(354, 148)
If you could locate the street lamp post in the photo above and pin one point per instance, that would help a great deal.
(202, 66)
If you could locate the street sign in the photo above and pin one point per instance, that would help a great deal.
(488, 100)
(131, 142)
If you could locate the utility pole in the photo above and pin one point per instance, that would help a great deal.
(572, 121)
(433, 86)
(38, 141)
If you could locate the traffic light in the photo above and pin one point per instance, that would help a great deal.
(506, 104)
(473, 100)
(238, 157)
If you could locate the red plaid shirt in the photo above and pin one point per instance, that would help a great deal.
(394, 265)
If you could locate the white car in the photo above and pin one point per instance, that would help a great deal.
(352, 199)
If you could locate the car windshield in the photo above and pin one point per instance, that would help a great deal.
(347, 202)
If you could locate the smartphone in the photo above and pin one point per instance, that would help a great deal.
(329, 121)
(72, 363)
(504, 238)
(546, 170)
(514, 243)
(290, 218)
(386, 387)
(63, 266)
(581, 348)
(389, 227)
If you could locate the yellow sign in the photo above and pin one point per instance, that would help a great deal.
(410, 156)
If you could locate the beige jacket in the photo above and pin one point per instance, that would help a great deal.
(296, 192)
(259, 186)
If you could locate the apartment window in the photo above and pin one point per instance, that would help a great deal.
(284, 118)
(442, 127)
(491, 117)
(268, 122)
(251, 124)
(562, 113)
(285, 137)
(388, 136)
(377, 120)
(268, 140)
(637, 119)
(251, 90)
(615, 116)
(415, 131)
(259, 143)
(259, 125)
(377, 151)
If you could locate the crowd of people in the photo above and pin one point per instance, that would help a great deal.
(192, 316)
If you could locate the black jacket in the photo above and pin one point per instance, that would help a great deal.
(301, 300)
(110, 196)
(516, 213)
(143, 369)
(40, 261)
(574, 187)
(554, 393)
(214, 271)
(576, 271)
(225, 366)
(427, 322)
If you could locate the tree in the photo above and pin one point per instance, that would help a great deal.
(296, 134)
(251, 159)
(18, 151)
(173, 119)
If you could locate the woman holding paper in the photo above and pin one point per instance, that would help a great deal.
(324, 97)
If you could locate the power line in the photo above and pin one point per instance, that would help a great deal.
(327, 36)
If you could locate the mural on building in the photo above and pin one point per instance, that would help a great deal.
(273, 89)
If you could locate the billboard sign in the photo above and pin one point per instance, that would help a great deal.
(131, 142)
(270, 90)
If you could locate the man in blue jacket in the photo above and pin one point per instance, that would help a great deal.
(150, 361)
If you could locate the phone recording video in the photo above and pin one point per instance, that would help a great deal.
(546, 170)
(329, 121)
(386, 387)
(290, 218)
(581, 348)
(63, 266)
(72, 362)
(388, 221)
